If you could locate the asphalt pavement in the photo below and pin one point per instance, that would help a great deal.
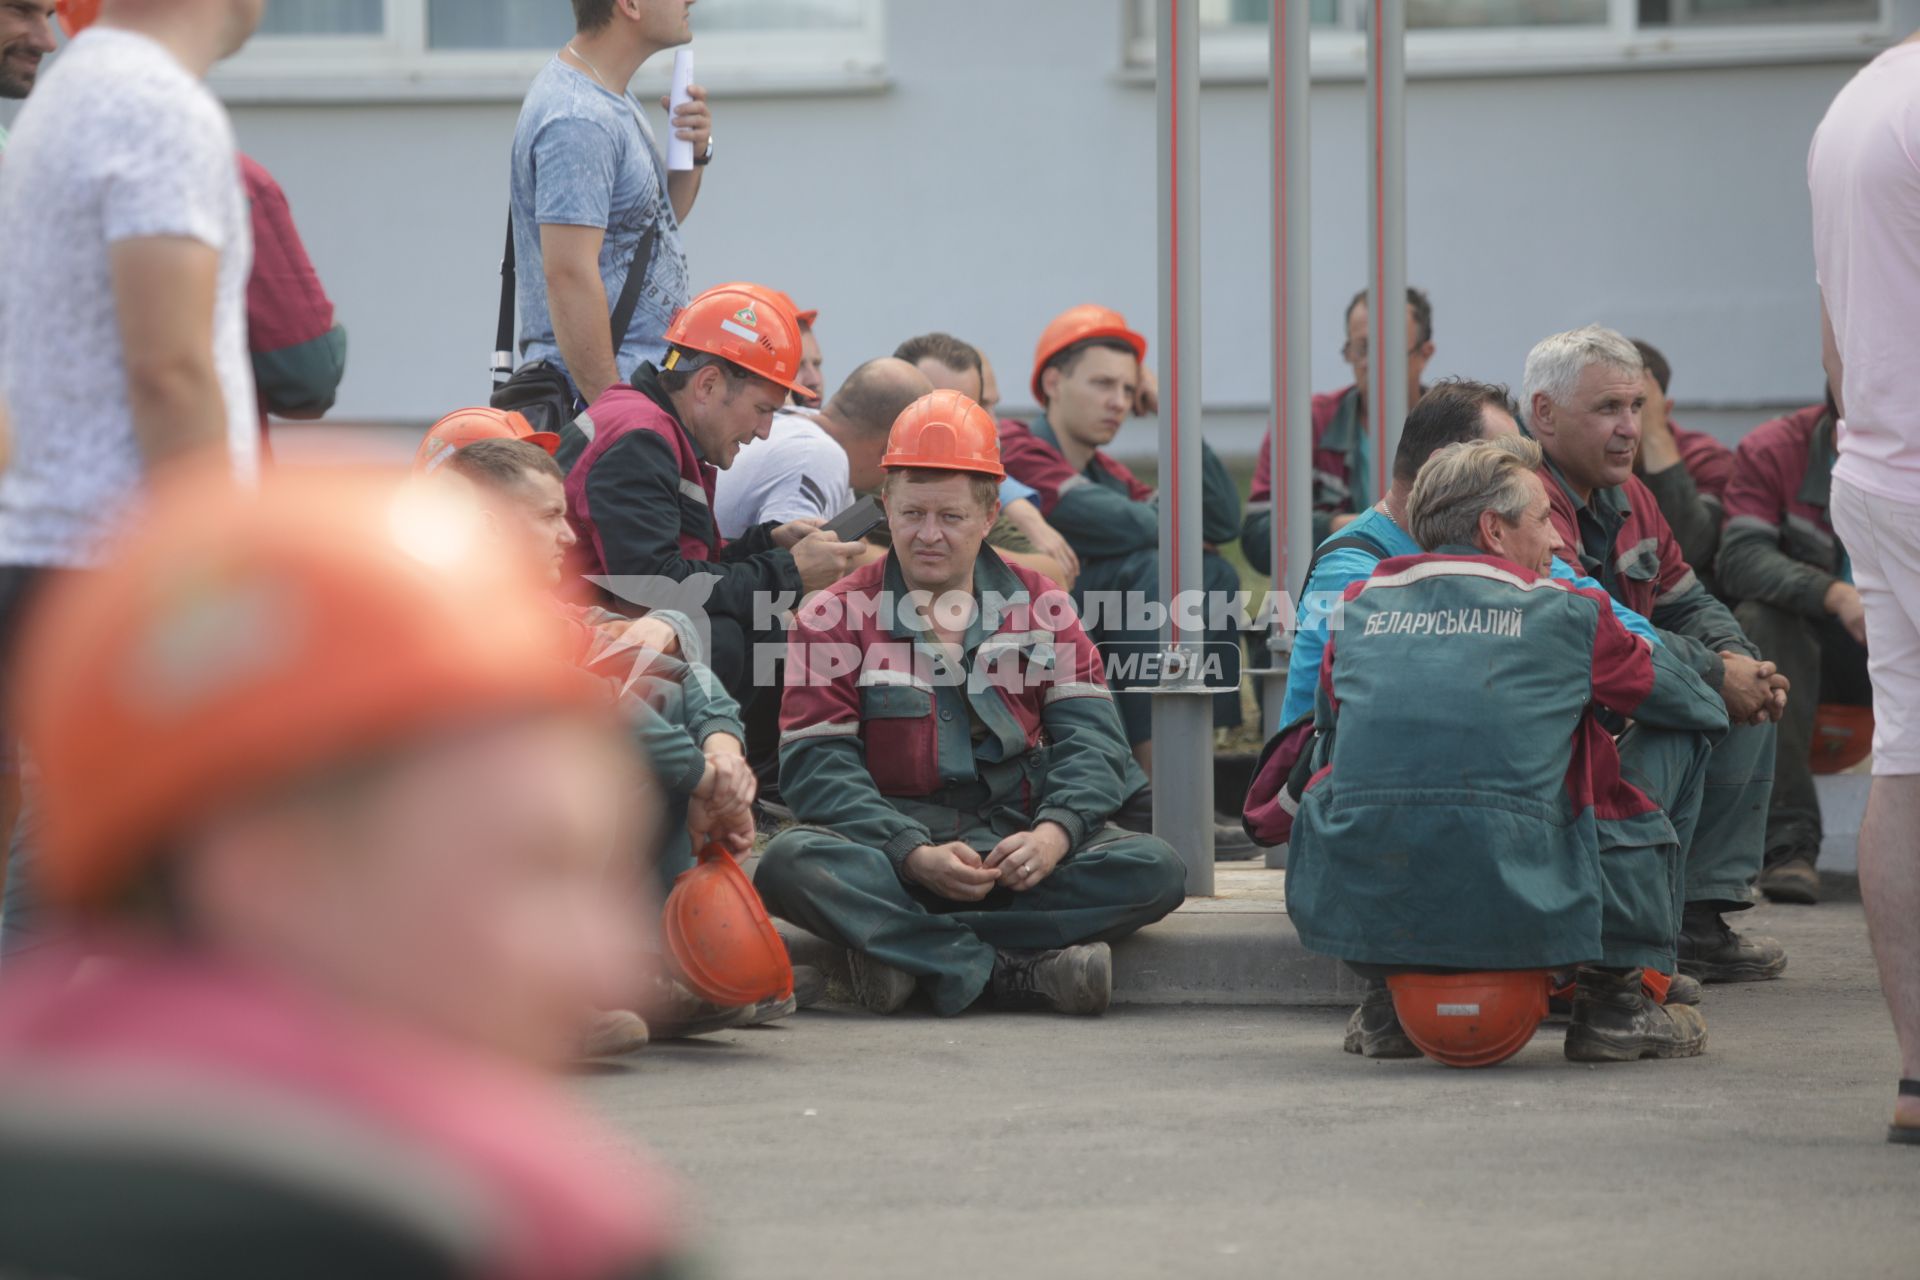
(1162, 1141)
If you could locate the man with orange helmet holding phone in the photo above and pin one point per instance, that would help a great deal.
(641, 465)
(954, 758)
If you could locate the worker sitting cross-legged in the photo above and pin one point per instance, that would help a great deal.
(954, 758)
(1463, 810)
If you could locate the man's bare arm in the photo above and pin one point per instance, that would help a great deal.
(577, 299)
(163, 293)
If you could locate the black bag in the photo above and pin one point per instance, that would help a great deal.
(539, 389)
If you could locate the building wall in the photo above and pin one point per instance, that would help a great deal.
(1009, 172)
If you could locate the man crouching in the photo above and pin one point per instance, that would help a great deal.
(953, 755)
(1468, 811)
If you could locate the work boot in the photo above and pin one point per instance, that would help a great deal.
(1231, 843)
(1711, 951)
(1075, 980)
(809, 986)
(1791, 880)
(1374, 1029)
(614, 1034)
(681, 1014)
(874, 985)
(1615, 1020)
(1684, 990)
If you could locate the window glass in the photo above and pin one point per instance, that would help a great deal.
(324, 18)
(548, 24)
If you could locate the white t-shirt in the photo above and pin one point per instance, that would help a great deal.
(118, 142)
(1864, 172)
(797, 471)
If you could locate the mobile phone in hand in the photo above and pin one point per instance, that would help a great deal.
(858, 520)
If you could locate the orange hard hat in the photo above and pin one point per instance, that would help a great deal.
(806, 318)
(237, 641)
(1470, 1019)
(463, 427)
(1080, 324)
(720, 937)
(1842, 737)
(945, 431)
(748, 324)
(76, 15)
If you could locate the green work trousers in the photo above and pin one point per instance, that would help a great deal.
(1113, 883)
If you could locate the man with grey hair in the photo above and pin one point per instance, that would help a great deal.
(1548, 856)
(1583, 396)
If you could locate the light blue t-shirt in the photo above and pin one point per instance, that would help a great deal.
(1340, 569)
(585, 157)
(1012, 491)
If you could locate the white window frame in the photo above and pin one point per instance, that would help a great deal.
(398, 65)
(1620, 44)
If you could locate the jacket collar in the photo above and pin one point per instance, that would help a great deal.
(1343, 432)
(1816, 486)
(990, 576)
(646, 380)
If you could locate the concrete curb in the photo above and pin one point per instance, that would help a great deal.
(1227, 958)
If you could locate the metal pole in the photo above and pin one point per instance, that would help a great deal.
(1182, 709)
(1387, 228)
(1290, 435)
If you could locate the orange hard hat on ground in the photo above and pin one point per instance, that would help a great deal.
(945, 431)
(1470, 1019)
(1081, 324)
(76, 15)
(720, 936)
(1842, 737)
(748, 324)
(463, 427)
(235, 642)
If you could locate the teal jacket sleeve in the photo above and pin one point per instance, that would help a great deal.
(1695, 616)
(1086, 777)
(823, 768)
(674, 707)
(1097, 521)
(1219, 499)
(1256, 537)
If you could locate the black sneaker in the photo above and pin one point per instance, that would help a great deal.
(1077, 980)
(1374, 1029)
(1712, 952)
(1791, 880)
(1615, 1020)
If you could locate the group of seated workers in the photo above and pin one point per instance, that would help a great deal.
(1399, 863)
(969, 798)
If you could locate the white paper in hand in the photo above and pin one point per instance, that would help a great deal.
(679, 150)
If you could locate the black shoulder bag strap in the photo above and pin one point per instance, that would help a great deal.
(1341, 542)
(622, 319)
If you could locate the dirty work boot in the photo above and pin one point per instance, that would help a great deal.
(1374, 1029)
(1684, 990)
(614, 1034)
(874, 985)
(809, 986)
(681, 1013)
(1071, 980)
(1711, 951)
(1791, 880)
(1615, 1020)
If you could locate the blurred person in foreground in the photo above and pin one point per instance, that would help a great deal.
(338, 832)
(123, 309)
(26, 38)
(1865, 184)
(688, 729)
